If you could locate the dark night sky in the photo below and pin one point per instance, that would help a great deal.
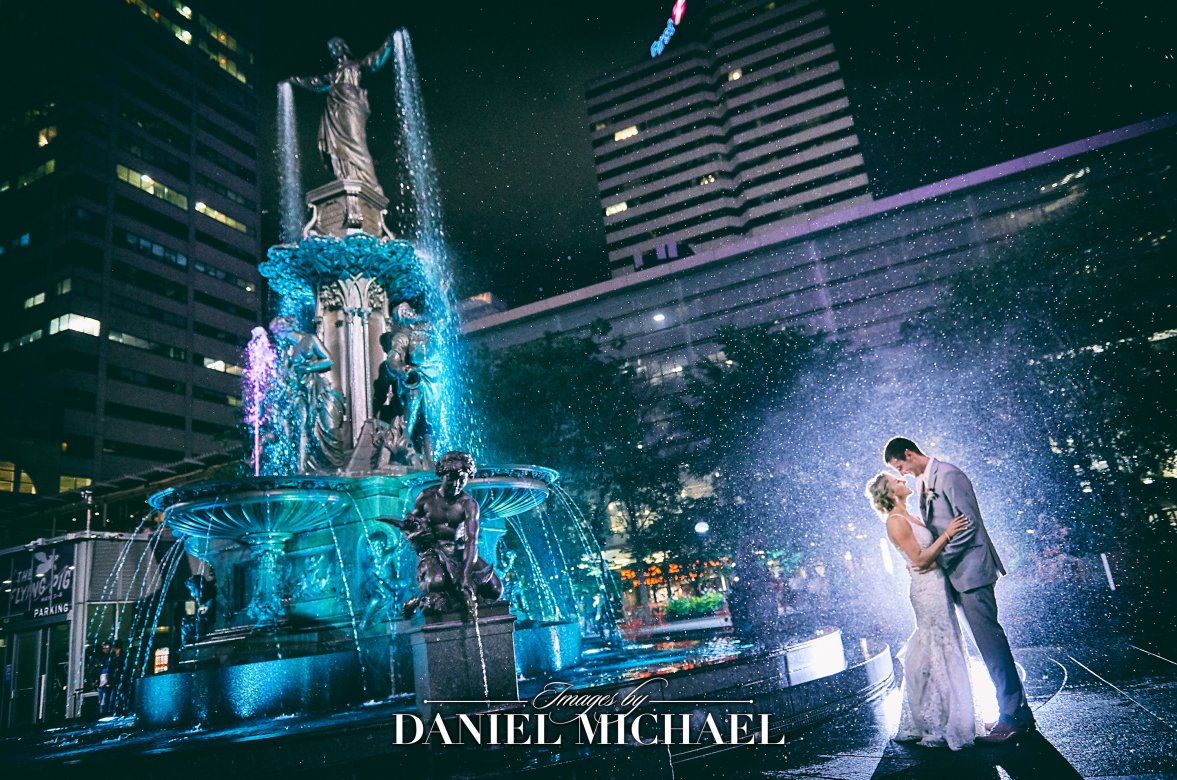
(937, 89)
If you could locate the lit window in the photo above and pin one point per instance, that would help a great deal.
(67, 483)
(28, 338)
(14, 480)
(220, 216)
(616, 208)
(222, 37)
(222, 366)
(45, 135)
(42, 170)
(64, 286)
(223, 62)
(155, 16)
(184, 10)
(599, 126)
(154, 347)
(75, 322)
(162, 657)
(34, 300)
(149, 185)
(628, 132)
(735, 75)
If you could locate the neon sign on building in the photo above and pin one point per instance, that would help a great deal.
(676, 14)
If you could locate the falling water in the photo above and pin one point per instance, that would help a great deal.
(481, 650)
(594, 556)
(152, 576)
(260, 376)
(355, 632)
(170, 564)
(112, 579)
(562, 573)
(453, 420)
(291, 186)
(538, 578)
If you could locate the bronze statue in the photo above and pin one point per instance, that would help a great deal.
(404, 387)
(379, 588)
(443, 529)
(318, 408)
(200, 609)
(343, 133)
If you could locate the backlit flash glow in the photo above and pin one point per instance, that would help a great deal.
(888, 565)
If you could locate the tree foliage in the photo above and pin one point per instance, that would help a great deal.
(569, 403)
(766, 377)
(1072, 322)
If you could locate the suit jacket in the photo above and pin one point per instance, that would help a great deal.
(969, 559)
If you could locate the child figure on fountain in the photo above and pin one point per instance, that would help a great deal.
(443, 529)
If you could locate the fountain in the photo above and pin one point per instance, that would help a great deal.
(353, 392)
(348, 394)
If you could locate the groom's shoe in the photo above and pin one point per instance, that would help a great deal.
(1001, 733)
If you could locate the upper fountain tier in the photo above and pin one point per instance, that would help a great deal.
(319, 261)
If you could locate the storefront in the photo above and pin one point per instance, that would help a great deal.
(59, 598)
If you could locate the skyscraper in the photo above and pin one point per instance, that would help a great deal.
(129, 237)
(740, 125)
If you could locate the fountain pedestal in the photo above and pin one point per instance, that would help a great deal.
(345, 206)
(448, 664)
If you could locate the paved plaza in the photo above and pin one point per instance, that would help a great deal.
(1108, 711)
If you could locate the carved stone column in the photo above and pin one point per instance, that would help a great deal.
(356, 299)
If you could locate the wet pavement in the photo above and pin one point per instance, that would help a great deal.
(1109, 712)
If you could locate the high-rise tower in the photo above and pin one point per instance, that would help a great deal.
(129, 236)
(739, 126)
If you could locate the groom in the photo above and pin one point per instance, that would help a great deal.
(972, 567)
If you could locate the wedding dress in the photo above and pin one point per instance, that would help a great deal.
(937, 697)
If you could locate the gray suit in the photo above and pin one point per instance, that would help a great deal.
(972, 566)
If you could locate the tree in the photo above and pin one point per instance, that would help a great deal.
(763, 372)
(1072, 324)
(569, 403)
(1071, 320)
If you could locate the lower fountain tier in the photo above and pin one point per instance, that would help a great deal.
(250, 644)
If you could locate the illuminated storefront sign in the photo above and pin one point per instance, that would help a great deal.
(676, 14)
(37, 583)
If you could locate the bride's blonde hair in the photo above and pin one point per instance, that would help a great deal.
(879, 494)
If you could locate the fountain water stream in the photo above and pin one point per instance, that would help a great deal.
(349, 396)
(456, 426)
(290, 181)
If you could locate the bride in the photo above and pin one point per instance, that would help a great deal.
(937, 699)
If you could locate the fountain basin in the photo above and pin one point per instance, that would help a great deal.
(501, 491)
(254, 507)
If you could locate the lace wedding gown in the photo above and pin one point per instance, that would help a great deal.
(937, 697)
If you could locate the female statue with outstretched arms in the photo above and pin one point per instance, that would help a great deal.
(343, 134)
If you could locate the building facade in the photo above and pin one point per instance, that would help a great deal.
(863, 272)
(60, 598)
(739, 126)
(129, 235)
